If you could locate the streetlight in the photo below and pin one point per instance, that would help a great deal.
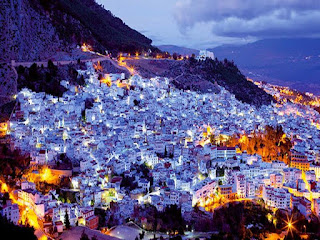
(290, 225)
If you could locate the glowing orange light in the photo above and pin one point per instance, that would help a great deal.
(107, 80)
(86, 48)
(290, 225)
(98, 66)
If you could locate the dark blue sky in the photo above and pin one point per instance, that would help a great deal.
(208, 23)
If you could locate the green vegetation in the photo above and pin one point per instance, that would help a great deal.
(66, 220)
(227, 75)
(40, 79)
(5, 110)
(170, 220)
(238, 220)
(271, 144)
(201, 76)
(12, 163)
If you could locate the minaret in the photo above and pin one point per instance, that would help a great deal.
(109, 175)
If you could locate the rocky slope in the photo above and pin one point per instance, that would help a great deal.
(33, 30)
(36, 29)
(204, 76)
(26, 34)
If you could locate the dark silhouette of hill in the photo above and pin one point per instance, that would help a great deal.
(33, 30)
(75, 18)
(290, 62)
(204, 76)
(12, 231)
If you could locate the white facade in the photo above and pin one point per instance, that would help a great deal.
(226, 152)
(203, 54)
(11, 212)
(276, 197)
(241, 185)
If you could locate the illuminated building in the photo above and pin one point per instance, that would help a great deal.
(276, 197)
(241, 185)
(276, 180)
(304, 206)
(3, 128)
(226, 191)
(226, 152)
(299, 160)
(316, 206)
(34, 199)
(204, 54)
(91, 221)
(10, 211)
(205, 191)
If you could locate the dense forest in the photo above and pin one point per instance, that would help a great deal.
(13, 162)
(271, 144)
(40, 79)
(11, 231)
(228, 75)
(200, 76)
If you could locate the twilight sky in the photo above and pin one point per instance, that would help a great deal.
(208, 23)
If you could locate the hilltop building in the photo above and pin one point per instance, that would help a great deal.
(204, 54)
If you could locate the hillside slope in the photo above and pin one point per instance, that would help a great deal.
(37, 29)
(179, 50)
(204, 76)
(291, 62)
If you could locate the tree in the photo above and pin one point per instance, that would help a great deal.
(66, 220)
(175, 56)
(33, 72)
(13, 231)
(84, 236)
(212, 139)
(5, 197)
(136, 102)
(94, 238)
(141, 235)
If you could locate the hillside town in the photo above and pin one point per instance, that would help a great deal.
(126, 143)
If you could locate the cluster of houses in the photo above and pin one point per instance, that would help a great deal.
(149, 122)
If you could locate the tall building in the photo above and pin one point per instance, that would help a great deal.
(241, 185)
(299, 160)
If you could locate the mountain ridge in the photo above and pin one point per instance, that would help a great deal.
(36, 29)
(291, 62)
(178, 49)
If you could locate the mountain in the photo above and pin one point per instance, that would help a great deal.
(176, 49)
(37, 29)
(290, 62)
(204, 76)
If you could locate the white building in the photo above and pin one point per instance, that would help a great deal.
(11, 212)
(241, 185)
(276, 197)
(203, 54)
(226, 152)
(205, 191)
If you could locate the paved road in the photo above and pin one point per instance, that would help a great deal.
(59, 63)
(45, 63)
